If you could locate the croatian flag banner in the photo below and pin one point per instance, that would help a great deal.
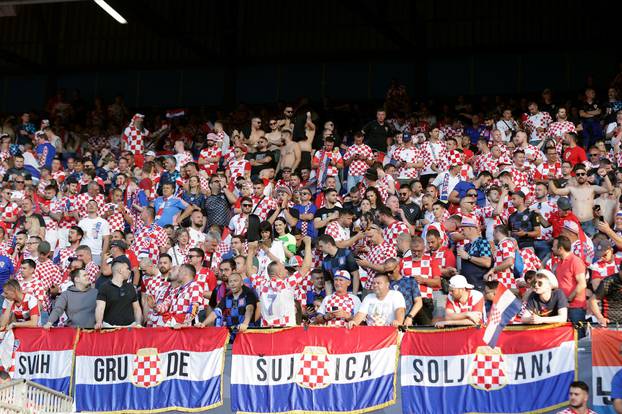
(149, 370)
(314, 370)
(456, 372)
(606, 369)
(39, 355)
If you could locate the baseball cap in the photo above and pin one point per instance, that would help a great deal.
(459, 282)
(118, 243)
(406, 137)
(601, 248)
(564, 203)
(468, 222)
(150, 154)
(571, 226)
(284, 189)
(371, 174)
(343, 274)
(550, 276)
(294, 262)
(122, 259)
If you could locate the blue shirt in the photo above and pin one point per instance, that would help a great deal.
(166, 210)
(49, 156)
(409, 288)
(616, 385)
(6, 269)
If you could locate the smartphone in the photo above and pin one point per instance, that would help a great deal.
(334, 309)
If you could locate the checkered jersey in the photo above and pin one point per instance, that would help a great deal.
(531, 261)
(163, 296)
(92, 270)
(426, 267)
(407, 156)
(238, 168)
(9, 211)
(276, 299)
(5, 248)
(348, 302)
(532, 153)
(134, 139)
(539, 120)
(183, 159)
(63, 256)
(453, 158)
(546, 208)
(378, 255)
(83, 199)
(381, 187)
(584, 250)
(444, 257)
(552, 263)
(522, 178)
(23, 311)
(67, 204)
(601, 269)
(323, 158)
(466, 173)
(475, 303)
(262, 206)
(393, 230)
(571, 411)
(48, 273)
(338, 233)
(186, 302)
(559, 128)
(116, 220)
(148, 241)
(358, 167)
(485, 162)
(207, 153)
(206, 279)
(197, 238)
(506, 250)
(431, 155)
(546, 171)
(33, 287)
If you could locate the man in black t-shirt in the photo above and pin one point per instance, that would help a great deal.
(117, 301)
(547, 303)
(609, 293)
(523, 224)
(262, 158)
(337, 259)
(378, 131)
(328, 213)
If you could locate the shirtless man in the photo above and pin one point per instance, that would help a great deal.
(290, 151)
(274, 137)
(305, 145)
(255, 133)
(582, 195)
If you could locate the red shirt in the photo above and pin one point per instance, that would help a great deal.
(566, 277)
(557, 221)
(575, 155)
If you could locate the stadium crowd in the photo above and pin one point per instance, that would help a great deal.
(271, 219)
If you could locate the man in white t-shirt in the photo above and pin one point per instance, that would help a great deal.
(384, 307)
(96, 232)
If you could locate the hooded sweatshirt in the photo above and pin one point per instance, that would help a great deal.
(78, 305)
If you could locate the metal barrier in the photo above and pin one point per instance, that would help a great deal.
(27, 397)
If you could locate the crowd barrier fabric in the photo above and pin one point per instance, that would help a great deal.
(454, 371)
(39, 355)
(606, 368)
(315, 369)
(147, 370)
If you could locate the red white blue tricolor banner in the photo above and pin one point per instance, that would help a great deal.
(606, 369)
(39, 355)
(146, 370)
(314, 370)
(454, 371)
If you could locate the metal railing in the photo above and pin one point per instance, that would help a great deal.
(26, 397)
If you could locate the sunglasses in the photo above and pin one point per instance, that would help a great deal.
(471, 194)
(539, 284)
(403, 194)
(19, 182)
(594, 155)
(247, 205)
(193, 256)
(581, 174)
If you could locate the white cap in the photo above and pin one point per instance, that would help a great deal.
(459, 282)
(550, 276)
